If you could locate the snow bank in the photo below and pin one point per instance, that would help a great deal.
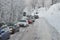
(53, 16)
(42, 12)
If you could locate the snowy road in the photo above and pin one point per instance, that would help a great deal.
(40, 30)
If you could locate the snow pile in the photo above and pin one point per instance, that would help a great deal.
(42, 12)
(53, 16)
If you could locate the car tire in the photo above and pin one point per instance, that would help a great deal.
(8, 37)
(12, 32)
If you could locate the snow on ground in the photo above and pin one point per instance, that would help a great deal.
(42, 12)
(52, 15)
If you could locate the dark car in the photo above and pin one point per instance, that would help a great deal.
(13, 28)
(4, 33)
(30, 19)
(1, 24)
(36, 16)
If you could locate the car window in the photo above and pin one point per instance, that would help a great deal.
(10, 24)
(4, 29)
(22, 20)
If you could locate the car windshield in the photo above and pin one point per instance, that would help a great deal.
(3, 28)
(22, 20)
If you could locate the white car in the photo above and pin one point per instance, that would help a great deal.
(23, 23)
(36, 15)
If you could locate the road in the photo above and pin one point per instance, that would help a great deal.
(40, 30)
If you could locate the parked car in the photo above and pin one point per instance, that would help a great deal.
(16, 28)
(13, 28)
(4, 33)
(36, 15)
(1, 24)
(23, 23)
(31, 19)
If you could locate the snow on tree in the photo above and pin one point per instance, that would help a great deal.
(11, 10)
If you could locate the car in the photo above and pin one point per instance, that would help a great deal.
(1, 24)
(31, 19)
(16, 28)
(4, 33)
(13, 28)
(36, 15)
(23, 23)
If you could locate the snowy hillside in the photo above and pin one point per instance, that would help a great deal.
(52, 15)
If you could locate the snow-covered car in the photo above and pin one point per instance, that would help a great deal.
(33, 19)
(30, 21)
(23, 23)
(36, 15)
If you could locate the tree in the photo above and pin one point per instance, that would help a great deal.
(11, 10)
